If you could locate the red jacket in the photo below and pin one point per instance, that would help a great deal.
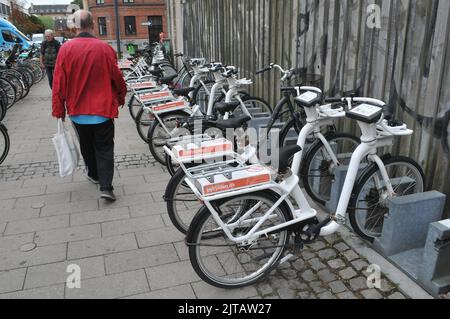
(87, 80)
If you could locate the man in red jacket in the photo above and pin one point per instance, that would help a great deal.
(89, 87)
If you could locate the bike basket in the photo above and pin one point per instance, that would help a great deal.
(170, 107)
(228, 176)
(301, 77)
(125, 64)
(201, 150)
(155, 97)
(142, 85)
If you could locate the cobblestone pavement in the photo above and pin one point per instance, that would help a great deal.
(127, 249)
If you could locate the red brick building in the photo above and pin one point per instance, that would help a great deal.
(132, 15)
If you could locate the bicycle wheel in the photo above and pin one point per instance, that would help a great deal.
(10, 91)
(4, 143)
(292, 127)
(24, 81)
(27, 76)
(3, 102)
(18, 85)
(256, 106)
(369, 203)
(227, 264)
(2, 107)
(181, 202)
(185, 80)
(134, 107)
(317, 172)
(143, 122)
(158, 135)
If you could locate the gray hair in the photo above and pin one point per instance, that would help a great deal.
(83, 19)
(49, 32)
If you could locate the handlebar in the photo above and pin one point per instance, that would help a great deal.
(350, 100)
(263, 70)
(229, 71)
(287, 74)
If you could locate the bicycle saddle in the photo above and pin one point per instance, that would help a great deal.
(233, 123)
(168, 79)
(183, 91)
(286, 153)
(224, 107)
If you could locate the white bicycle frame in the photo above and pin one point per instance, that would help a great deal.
(233, 92)
(374, 136)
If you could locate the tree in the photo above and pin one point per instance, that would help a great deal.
(47, 22)
(25, 23)
(78, 2)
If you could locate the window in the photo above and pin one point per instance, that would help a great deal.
(9, 37)
(128, 1)
(102, 26)
(100, 1)
(3, 9)
(8, 10)
(130, 25)
(155, 29)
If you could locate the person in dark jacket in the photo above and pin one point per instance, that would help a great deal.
(89, 87)
(49, 52)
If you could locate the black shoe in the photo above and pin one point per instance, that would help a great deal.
(108, 195)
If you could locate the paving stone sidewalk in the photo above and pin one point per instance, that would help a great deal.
(128, 249)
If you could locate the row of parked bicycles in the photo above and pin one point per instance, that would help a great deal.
(241, 213)
(19, 71)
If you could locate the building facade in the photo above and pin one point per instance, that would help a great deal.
(140, 21)
(5, 9)
(56, 12)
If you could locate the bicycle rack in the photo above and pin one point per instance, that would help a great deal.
(198, 149)
(155, 97)
(142, 85)
(170, 106)
(233, 175)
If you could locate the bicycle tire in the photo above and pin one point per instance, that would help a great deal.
(249, 99)
(24, 81)
(3, 109)
(306, 167)
(10, 91)
(134, 108)
(5, 148)
(359, 188)
(3, 99)
(173, 116)
(143, 125)
(291, 124)
(180, 220)
(17, 85)
(196, 237)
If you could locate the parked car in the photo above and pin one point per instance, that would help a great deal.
(10, 35)
(37, 38)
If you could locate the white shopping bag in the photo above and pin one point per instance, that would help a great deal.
(66, 150)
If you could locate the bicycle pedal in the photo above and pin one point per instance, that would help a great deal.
(299, 245)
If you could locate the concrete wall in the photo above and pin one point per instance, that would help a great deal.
(404, 62)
